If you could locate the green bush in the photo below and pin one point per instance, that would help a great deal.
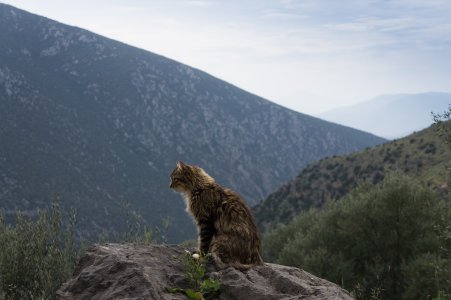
(390, 241)
(36, 255)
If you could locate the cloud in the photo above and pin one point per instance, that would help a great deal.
(200, 3)
(274, 14)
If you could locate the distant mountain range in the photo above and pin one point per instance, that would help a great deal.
(424, 155)
(98, 124)
(391, 116)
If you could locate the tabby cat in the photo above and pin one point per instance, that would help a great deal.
(225, 225)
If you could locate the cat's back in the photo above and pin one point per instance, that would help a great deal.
(234, 209)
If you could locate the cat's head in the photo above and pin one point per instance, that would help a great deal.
(187, 178)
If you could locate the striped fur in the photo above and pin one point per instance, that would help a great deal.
(226, 227)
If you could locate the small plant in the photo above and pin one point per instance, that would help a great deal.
(137, 230)
(162, 231)
(194, 271)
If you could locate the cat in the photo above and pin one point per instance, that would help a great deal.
(225, 225)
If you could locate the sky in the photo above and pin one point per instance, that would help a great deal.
(307, 55)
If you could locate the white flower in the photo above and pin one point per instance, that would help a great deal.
(196, 256)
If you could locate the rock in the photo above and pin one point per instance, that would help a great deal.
(128, 271)
(275, 282)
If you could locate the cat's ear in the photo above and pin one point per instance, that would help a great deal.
(180, 165)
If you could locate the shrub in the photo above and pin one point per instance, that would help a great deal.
(391, 241)
(36, 256)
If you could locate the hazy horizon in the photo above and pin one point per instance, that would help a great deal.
(309, 56)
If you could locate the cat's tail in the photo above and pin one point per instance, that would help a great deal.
(237, 265)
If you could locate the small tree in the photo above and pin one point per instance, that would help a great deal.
(442, 122)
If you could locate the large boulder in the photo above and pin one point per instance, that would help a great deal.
(128, 271)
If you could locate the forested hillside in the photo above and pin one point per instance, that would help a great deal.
(424, 155)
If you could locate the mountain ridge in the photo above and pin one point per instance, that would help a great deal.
(100, 125)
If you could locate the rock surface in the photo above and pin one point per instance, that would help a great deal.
(126, 271)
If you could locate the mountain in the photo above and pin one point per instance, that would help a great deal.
(424, 155)
(391, 116)
(99, 125)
